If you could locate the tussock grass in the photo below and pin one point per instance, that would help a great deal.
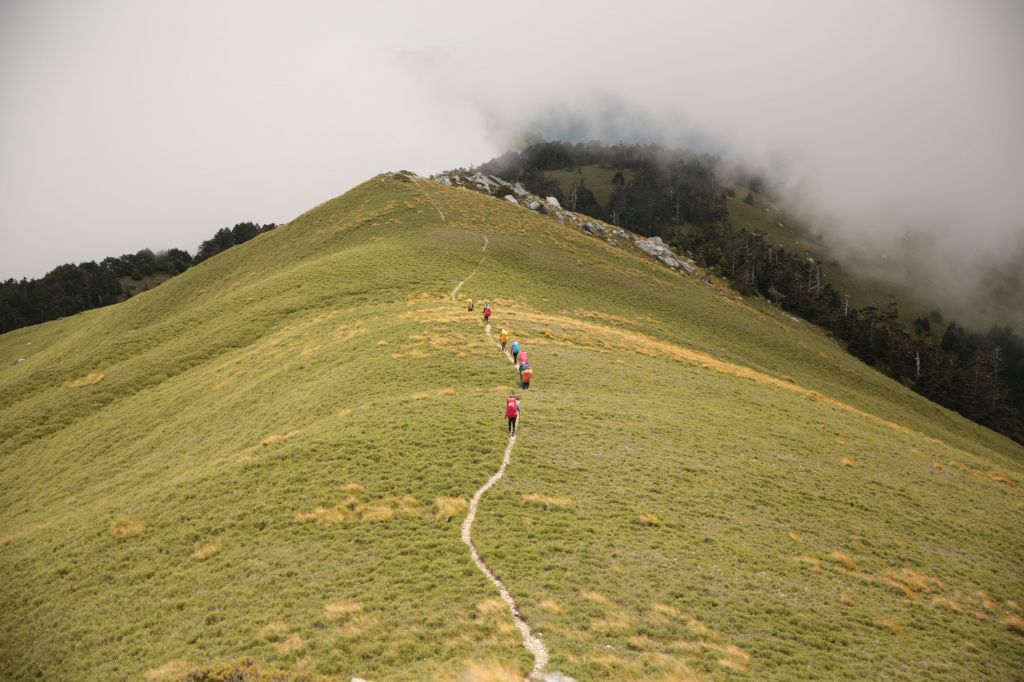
(175, 669)
(206, 550)
(549, 501)
(87, 380)
(846, 560)
(887, 623)
(449, 507)
(649, 519)
(342, 610)
(126, 527)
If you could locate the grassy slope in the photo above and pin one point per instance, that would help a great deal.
(262, 384)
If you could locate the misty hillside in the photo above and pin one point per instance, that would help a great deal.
(263, 465)
(728, 221)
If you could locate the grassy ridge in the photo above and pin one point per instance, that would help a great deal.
(265, 457)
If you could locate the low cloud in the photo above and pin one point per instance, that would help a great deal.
(892, 127)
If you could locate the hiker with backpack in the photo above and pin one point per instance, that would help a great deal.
(469, 305)
(515, 350)
(512, 413)
(503, 339)
(525, 376)
(487, 313)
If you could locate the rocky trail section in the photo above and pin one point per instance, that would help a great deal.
(514, 193)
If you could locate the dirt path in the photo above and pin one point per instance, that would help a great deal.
(532, 643)
(431, 200)
(483, 254)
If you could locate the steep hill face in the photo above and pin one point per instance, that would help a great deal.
(269, 457)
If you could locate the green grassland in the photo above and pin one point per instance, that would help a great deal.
(267, 457)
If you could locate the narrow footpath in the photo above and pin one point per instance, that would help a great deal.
(532, 643)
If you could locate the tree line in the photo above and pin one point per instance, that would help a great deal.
(69, 289)
(676, 194)
(980, 375)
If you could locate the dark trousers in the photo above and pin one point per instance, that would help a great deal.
(512, 424)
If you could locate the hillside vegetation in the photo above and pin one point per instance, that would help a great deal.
(263, 464)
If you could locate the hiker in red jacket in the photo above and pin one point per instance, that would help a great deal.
(487, 312)
(512, 413)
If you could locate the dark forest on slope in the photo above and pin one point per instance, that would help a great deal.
(69, 289)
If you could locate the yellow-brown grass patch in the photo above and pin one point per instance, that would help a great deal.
(341, 610)
(796, 538)
(650, 519)
(491, 606)
(846, 560)
(665, 609)
(911, 581)
(549, 501)
(488, 671)
(290, 644)
(273, 631)
(175, 669)
(352, 509)
(551, 606)
(617, 621)
(596, 597)
(1013, 606)
(448, 390)
(87, 380)
(890, 624)
(846, 599)
(993, 474)
(987, 601)
(421, 395)
(946, 603)
(812, 561)
(352, 488)
(847, 462)
(126, 527)
(206, 550)
(1015, 623)
(447, 507)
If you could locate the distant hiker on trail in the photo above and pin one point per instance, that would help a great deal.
(515, 350)
(512, 413)
(487, 312)
(525, 376)
(503, 339)
(523, 359)
(469, 305)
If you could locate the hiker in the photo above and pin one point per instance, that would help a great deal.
(515, 349)
(487, 312)
(503, 339)
(525, 376)
(523, 358)
(512, 413)
(469, 305)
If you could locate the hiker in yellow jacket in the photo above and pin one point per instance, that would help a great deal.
(503, 339)
(469, 305)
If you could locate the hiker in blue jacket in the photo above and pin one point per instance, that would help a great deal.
(515, 350)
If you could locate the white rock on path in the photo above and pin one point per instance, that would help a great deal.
(554, 202)
(511, 199)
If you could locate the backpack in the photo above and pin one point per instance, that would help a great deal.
(511, 408)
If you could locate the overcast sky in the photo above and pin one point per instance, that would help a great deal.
(136, 124)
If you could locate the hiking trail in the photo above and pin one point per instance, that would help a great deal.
(532, 643)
